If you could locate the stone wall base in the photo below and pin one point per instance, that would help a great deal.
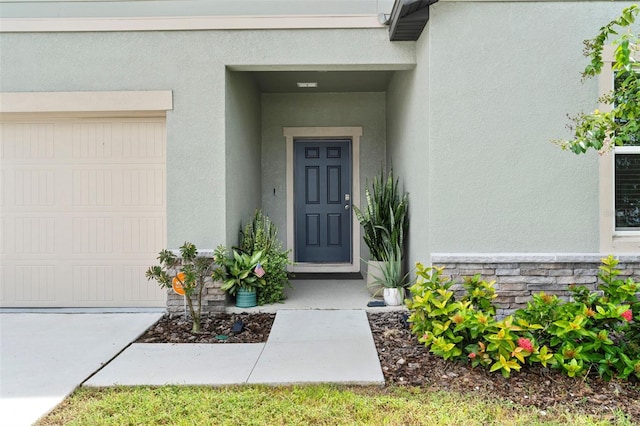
(213, 299)
(519, 276)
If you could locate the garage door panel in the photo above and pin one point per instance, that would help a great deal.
(92, 187)
(141, 234)
(27, 141)
(27, 235)
(92, 235)
(142, 140)
(109, 284)
(34, 235)
(4, 289)
(118, 187)
(131, 234)
(83, 212)
(134, 141)
(3, 239)
(93, 283)
(143, 187)
(35, 283)
(28, 187)
(92, 140)
(136, 287)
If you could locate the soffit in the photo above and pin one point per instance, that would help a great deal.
(328, 81)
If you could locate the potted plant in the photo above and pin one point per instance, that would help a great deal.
(241, 274)
(390, 279)
(384, 220)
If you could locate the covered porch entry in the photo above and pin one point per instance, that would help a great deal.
(308, 142)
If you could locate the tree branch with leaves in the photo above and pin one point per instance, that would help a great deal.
(602, 130)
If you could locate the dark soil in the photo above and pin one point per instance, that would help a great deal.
(404, 361)
(215, 329)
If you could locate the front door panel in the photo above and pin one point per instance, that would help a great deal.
(322, 192)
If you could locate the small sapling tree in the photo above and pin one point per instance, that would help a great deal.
(186, 273)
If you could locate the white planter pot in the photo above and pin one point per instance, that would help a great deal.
(393, 296)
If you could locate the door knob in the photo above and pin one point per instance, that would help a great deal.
(346, 207)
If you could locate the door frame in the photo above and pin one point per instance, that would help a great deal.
(328, 133)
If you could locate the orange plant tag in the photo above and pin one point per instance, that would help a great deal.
(176, 283)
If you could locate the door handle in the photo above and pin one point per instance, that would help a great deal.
(346, 207)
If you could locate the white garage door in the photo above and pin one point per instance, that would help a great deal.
(82, 211)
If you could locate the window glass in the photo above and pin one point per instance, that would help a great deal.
(627, 172)
(627, 191)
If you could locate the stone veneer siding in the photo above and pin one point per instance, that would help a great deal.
(519, 276)
(213, 297)
(213, 300)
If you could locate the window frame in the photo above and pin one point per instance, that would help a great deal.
(634, 150)
(612, 240)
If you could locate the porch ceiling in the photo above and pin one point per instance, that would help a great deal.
(328, 81)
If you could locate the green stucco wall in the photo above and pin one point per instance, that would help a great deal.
(192, 65)
(243, 168)
(317, 110)
(408, 145)
(502, 78)
(468, 130)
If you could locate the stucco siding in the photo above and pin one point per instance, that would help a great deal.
(317, 110)
(503, 76)
(191, 65)
(408, 145)
(243, 168)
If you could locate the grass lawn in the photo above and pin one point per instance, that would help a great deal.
(317, 405)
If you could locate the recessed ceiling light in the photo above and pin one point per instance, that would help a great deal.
(308, 84)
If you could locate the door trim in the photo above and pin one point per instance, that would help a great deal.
(329, 133)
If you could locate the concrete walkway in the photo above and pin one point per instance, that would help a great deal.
(305, 346)
(44, 357)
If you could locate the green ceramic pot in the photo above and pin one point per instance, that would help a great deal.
(246, 298)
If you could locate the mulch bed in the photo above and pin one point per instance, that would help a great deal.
(175, 329)
(406, 362)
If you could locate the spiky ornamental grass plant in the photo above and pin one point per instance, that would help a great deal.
(384, 218)
(391, 271)
(261, 234)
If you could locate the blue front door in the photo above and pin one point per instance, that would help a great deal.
(322, 201)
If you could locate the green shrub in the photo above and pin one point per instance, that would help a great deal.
(467, 329)
(593, 332)
(260, 234)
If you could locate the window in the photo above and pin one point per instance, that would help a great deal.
(619, 183)
(627, 180)
(627, 189)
